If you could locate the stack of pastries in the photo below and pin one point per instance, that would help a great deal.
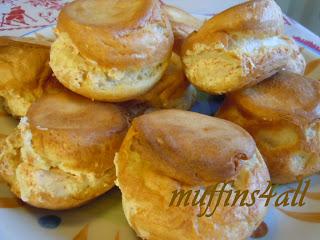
(97, 120)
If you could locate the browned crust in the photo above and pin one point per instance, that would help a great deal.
(256, 20)
(286, 95)
(94, 131)
(190, 147)
(183, 24)
(73, 141)
(121, 43)
(288, 102)
(15, 41)
(24, 67)
(11, 159)
(259, 17)
(255, 67)
(147, 192)
(18, 41)
(254, 24)
(14, 55)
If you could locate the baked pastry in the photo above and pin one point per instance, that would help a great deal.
(61, 155)
(171, 150)
(240, 47)
(172, 91)
(111, 50)
(183, 24)
(282, 114)
(24, 67)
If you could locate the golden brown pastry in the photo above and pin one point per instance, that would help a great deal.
(282, 114)
(240, 47)
(172, 91)
(111, 50)
(61, 155)
(24, 67)
(171, 150)
(183, 24)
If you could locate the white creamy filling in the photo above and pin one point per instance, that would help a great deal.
(243, 45)
(250, 45)
(312, 132)
(27, 150)
(301, 159)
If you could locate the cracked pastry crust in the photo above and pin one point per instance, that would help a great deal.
(63, 157)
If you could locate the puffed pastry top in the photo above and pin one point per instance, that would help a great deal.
(184, 153)
(118, 34)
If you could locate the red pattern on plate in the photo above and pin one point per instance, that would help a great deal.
(50, 4)
(307, 43)
(21, 16)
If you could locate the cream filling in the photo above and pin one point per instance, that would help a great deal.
(243, 45)
(302, 160)
(251, 45)
(227, 61)
(313, 132)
